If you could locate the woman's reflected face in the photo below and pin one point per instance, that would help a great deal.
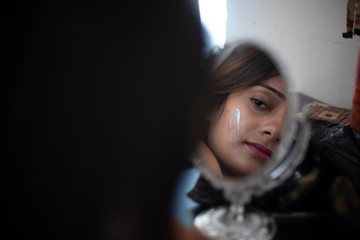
(246, 130)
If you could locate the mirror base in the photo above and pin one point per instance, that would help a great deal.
(216, 223)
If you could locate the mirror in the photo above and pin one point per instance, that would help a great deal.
(249, 139)
(244, 110)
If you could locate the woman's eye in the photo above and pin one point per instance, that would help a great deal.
(259, 103)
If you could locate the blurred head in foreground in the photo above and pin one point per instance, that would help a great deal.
(97, 113)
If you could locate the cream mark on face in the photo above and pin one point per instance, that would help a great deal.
(235, 125)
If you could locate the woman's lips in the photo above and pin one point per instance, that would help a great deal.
(259, 150)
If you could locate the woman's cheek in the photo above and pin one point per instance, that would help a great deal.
(234, 126)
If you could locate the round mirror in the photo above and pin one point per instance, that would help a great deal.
(249, 138)
(244, 113)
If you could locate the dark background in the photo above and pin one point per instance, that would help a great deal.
(96, 108)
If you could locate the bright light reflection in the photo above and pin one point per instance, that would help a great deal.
(213, 17)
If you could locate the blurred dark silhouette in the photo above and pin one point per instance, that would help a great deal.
(97, 104)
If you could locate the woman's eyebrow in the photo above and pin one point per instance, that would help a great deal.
(277, 92)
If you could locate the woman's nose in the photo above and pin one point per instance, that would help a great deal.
(273, 133)
(273, 127)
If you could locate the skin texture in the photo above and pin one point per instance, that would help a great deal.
(245, 129)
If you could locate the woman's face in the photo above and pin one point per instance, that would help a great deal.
(245, 132)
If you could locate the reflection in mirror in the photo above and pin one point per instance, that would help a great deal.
(244, 109)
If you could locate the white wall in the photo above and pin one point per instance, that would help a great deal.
(307, 34)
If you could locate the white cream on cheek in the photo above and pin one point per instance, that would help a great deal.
(235, 117)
